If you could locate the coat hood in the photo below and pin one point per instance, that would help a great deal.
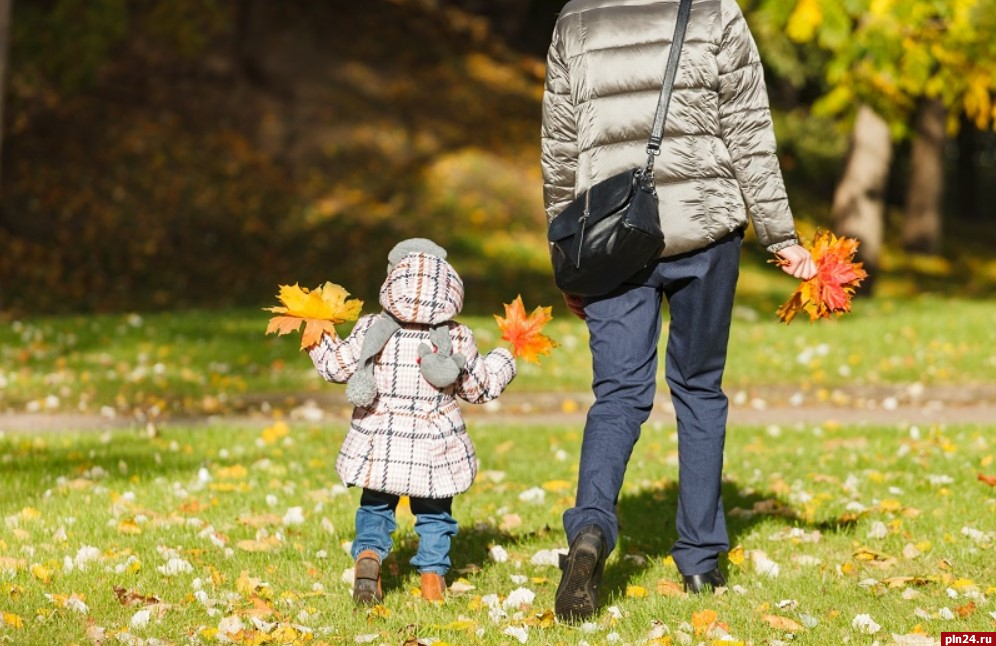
(422, 288)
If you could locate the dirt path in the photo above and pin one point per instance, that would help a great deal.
(871, 406)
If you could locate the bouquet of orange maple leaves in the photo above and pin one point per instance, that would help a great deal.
(320, 309)
(831, 289)
(525, 333)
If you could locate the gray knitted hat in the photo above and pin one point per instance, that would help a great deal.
(438, 365)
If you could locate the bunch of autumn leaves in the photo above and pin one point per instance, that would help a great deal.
(324, 307)
(831, 289)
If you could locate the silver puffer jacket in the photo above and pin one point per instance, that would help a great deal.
(604, 73)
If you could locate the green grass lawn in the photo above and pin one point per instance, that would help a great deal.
(217, 362)
(202, 532)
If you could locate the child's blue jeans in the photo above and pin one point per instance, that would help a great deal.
(433, 523)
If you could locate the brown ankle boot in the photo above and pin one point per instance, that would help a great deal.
(433, 586)
(366, 579)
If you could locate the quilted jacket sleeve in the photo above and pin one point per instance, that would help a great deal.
(745, 119)
(336, 359)
(558, 136)
(484, 377)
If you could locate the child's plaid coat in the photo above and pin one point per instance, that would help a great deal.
(412, 439)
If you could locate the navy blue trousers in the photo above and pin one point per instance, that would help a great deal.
(624, 329)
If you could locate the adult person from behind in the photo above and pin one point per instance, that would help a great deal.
(604, 74)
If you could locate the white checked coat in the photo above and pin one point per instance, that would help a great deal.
(412, 439)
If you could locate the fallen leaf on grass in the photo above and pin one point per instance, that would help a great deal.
(72, 602)
(96, 634)
(131, 598)
(260, 520)
(544, 619)
(896, 582)
(12, 565)
(267, 544)
(130, 527)
(260, 608)
(669, 588)
(764, 565)
(783, 623)
(519, 599)
(865, 624)
(873, 558)
(41, 573)
(989, 480)
(12, 620)
(703, 620)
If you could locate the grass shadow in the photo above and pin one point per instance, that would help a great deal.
(469, 552)
(36, 467)
(647, 527)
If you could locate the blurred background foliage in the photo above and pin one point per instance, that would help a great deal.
(197, 153)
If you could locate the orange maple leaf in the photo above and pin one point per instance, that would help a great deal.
(320, 309)
(525, 333)
(831, 289)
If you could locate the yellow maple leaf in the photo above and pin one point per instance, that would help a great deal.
(703, 620)
(525, 333)
(41, 573)
(320, 309)
(12, 620)
(129, 526)
(246, 585)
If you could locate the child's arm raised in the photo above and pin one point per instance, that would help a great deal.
(484, 377)
(336, 359)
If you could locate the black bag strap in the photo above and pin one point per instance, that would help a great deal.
(657, 132)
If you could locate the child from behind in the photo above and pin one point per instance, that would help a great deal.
(404, 369)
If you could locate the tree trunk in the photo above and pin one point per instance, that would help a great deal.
(859, 201)
(968, 171)
(4, 49)
(922, 221)
(249, 41)
(4, 60)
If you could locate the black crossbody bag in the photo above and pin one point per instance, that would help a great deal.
(613, 230)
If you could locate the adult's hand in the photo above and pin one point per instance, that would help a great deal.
(797, 261)
(574, 304)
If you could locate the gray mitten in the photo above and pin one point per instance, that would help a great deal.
(440, 367)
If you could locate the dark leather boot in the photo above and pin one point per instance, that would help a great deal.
(366, 579)
(698, 583)
(577, 594)
(433, 586)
